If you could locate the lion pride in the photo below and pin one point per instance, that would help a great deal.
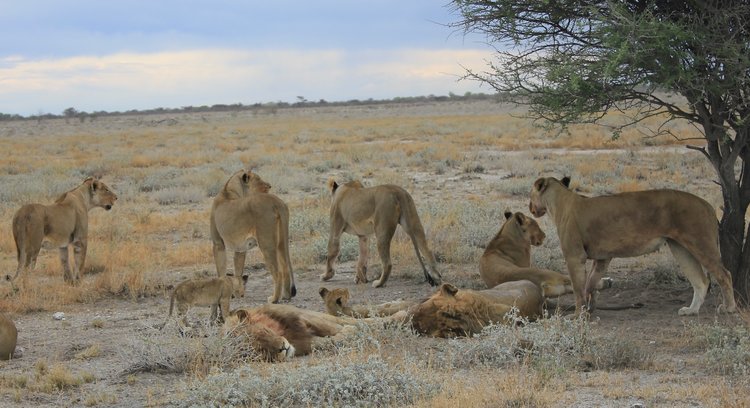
(243, 214)
(633, 224)
(376, 210)
(65, 224)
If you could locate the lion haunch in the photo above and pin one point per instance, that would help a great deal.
(8, 338)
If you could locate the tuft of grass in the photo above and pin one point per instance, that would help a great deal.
(727, 348)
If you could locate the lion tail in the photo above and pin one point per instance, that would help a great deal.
(418, 239)
(282, 231)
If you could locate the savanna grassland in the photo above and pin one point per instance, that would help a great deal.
(463, 162)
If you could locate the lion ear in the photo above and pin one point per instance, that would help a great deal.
(323, 292)
(241, 314)
(332, 185)
(245, 177)
(508, 213)
(245, 278)
(541, 184)
(520, 218)
(566, 181)
(448, 290)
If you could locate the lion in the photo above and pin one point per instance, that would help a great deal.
(337, 304)
(214, 292)
(376, 210)
(278, 332)
(632, 224)
(8, 338)
(508, 258)
(64, 223)
(243, 215)
(453, 312)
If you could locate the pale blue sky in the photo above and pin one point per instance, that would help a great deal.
(121, 55)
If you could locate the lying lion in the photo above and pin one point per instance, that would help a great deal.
(376, 210)
(508, 258)
(65, 224)
(337, 304)
(245, 214)
(278, 332)
(452, 312)
(214, 292)
(8, 338)
(633, 224)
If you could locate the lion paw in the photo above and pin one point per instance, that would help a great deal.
(686, 311)
(378, 283)
(326, 276)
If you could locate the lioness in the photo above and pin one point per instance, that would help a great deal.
(452, 312)
(337, 304)
(242, 210)
(8, 338)
(279, 332)
(64, 223)
(508, 258)
(632, 224)
(214, 292)
(375, 210)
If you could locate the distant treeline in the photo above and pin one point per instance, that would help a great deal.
(268, 107)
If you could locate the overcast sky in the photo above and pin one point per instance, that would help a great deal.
(117, 55)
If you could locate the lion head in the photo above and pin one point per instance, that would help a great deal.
(451, 312)
(336, 301)
(537, 206)
(528, 227)
(264, 334)
(244, 182)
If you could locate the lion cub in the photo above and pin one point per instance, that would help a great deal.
(214, 292)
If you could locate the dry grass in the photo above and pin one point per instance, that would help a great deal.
(463, 165)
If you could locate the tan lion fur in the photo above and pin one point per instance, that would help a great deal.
(337, 304)
(271, 327)
(376, 210)
(8, 338)
(452, 312)
(633, 224)
(64, 223)
(214, 292)
(508, 258)
(243, 214)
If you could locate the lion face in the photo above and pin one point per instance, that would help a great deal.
(532, 233)
(264, 335)
(536, 205)
(335, 300)
(101, 195)
(447, 315)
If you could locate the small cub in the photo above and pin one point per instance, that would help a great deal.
(214, 292)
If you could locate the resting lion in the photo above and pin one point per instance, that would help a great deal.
(452, 312)
(214, 292)
(278, 332)
(8, 338)
(243, 214)
(508, 258)
(633, 224)
(64, 223)
(376, 210)
(337, 304)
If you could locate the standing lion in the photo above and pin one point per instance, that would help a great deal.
(376, 210)
(244, 213)
(64, 223)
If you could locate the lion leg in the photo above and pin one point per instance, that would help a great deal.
(597, 270)
(286, 273)
(384, 234)
(220, 258)
(577, 271)
(694, 273)
(709, 257)
(362, 262)
(79, 259)
(65, 264)
(334, 245)
(239, 263)
(271, 258)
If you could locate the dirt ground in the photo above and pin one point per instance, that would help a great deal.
(655, 326)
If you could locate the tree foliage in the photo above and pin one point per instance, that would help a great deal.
(575, 61)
